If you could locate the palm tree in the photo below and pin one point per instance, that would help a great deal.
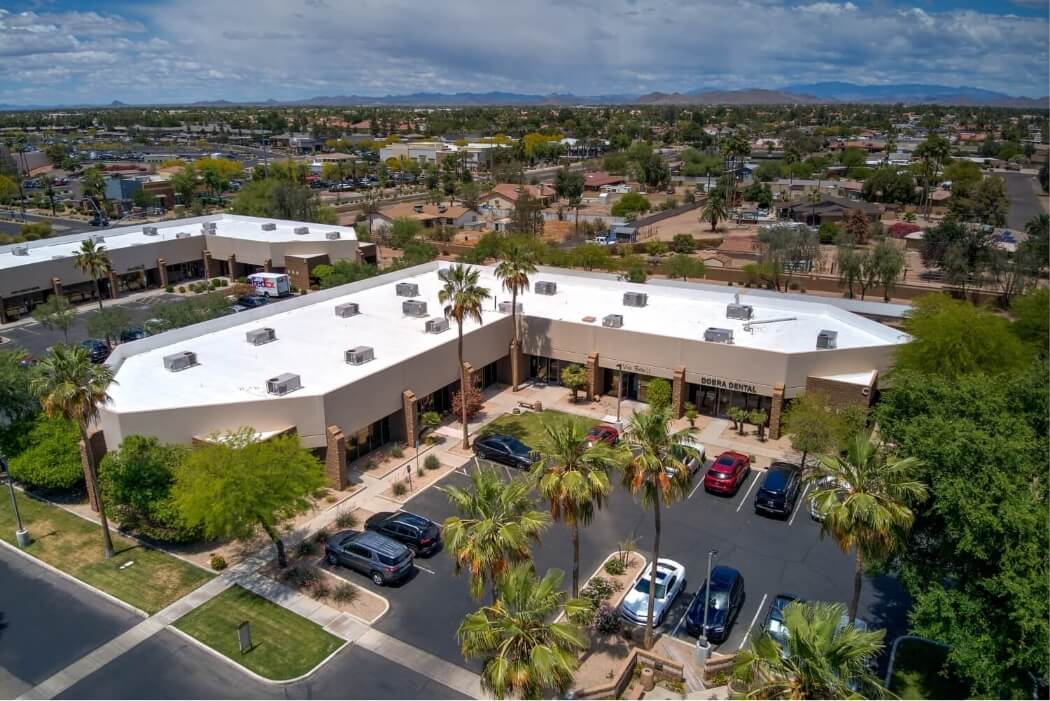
(865, 497)
(70, 386)
(573, 478)
(517, 262)
(497, 523)
(657, 472)
(93, 260)
(526, 655)
(462, 297)
(814, 199)
(821, 658)
(714, 209)
(791, 157)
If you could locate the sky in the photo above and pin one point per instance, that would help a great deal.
(57, 52)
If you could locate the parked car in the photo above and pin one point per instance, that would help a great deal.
(134, 333)
(420, 535)
(724, 602)
(779, 490)
(99, 221)
(695, 464)
(822, 484)
(727, 473)
(603, 433)
(97, 350)
(381, 558)
(670, 582)
(774, 624)
(506, 450)
(249, 302)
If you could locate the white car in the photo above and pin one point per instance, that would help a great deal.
(695, 464)
(670, 582)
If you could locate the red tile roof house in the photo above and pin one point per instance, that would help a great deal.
(504, 197)
(599, 179)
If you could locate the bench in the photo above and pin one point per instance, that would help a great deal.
(534, 406)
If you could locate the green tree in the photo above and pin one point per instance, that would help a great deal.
(56, 313)
(810, 424)
(573, 478)
(658, 394)
(527, 217)
(984, 203)
(631, 203)
(8, 189)
(866, 498)
(683, 266)
(887, 265)
(656, 474)
(574, 377)
(495, 525)
(16, 397)
(590, 256)
(109, 323)
(404, 230)
(185, 184)
(51, 459)
(525, 652)
(93, 260)
(569, 186)
(1032, 319)
(714, 210)
(463, 298)
(822, 658)
(71, 387)
(517, 262)
(237, 483)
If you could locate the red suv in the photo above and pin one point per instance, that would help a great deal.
(603, 433)
(727, 473)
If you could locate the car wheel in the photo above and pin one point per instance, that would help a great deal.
(414, 550)
(332, 559)
(378, 579)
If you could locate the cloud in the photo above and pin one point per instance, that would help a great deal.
(316, 47)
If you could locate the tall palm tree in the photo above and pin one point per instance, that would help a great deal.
(821, 658)
(496, 523)
(463, 297)
(517, 262)
(714, 210)
(791, 157)
(93, 260)
(866, 499)
(70, 386)
(657, 472)
(573, 478)
(525, 653)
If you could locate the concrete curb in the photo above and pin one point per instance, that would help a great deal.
(601, 568)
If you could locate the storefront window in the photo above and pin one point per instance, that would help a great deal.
(368, 439)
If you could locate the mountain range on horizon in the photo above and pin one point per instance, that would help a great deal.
(830, 92)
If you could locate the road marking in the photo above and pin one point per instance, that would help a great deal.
(747, 634)
(698, 485)
(674, 633)
(428, 571)
(754, 481)
(801, 500)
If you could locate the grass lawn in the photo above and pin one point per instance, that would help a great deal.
(916, 673)
(74, 545)
(526, 426)
(284, 644)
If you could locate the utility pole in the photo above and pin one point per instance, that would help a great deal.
(703, 645)
(22, 536)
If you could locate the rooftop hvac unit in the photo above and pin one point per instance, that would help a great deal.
(407, 289)
(414, 307)
(283, 384)
(269, 226)
(183, 235)
(150, 231)
(208, 227)
(545, 287)
(437, 325)
(180, 361)
(258, 337)
(635, 299)
(347, 310)
(741, 312)
(20, 251)
(827, 339)
(360, 355)
(613, 321)
(504, 307)
(332, 236)
(301, 230)
(717, 335)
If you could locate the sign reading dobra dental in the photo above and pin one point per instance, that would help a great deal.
(727, 384)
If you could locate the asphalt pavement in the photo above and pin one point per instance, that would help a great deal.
(1022, 190)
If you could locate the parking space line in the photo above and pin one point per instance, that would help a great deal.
(698, 485)
(674, 633)
(801, 500)
(754, 479)
(747, 634)
(428, 571)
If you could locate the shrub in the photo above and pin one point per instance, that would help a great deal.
(399, 488)
(321, 590)
(346, 519)
(606, 620)
(614, 567)
(420, 471)
(305, 548)
(793, 285)
(345, 593)
(169, 288)
(473, 402)
(51, 459)
(182, 289)
(217, 562)
(659, 393)
(397, 451)
(301, 576)
(599, 589)
(321, 536)
(431, 462)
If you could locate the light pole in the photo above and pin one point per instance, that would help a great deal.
(703, 646)
(21, 534)
(619, 390)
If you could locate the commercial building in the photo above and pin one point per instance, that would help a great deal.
(166, 253)
(351, 368)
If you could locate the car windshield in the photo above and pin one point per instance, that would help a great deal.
(777, 630)
(661, 587)
(390, 560)
(718, 600)
(724, 461)
(412, 520)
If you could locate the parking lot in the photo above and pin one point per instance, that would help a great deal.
(772, 555)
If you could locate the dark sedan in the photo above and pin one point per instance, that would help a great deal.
(97, 350)
(420, 535)
(779, 491)
(774, 624)
(506, 450)
(724, 602)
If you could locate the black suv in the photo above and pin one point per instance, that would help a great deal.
(724, 602)
(779, 490)
(97, 350)
(382, 559)
(506, 450)
(421, 535)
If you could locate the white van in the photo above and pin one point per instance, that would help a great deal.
(270, 284)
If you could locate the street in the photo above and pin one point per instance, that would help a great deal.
(1022, 190)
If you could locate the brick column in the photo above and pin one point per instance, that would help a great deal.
(335, 458)
(593, 376)
(408, 406)
(56, 285)
(231, 263)
(268, 265)
(519, 366)
(206, 257)
(678, 392)
(775, 410)
(97, 447)
(112, 285)
(466, 376)
(162, 271)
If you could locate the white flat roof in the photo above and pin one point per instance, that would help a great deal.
(311, 339)
(226, 225)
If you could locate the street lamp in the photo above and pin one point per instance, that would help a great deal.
(619, 390)
(21, 534)
(703, 646)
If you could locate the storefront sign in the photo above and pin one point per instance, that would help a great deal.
(640, 369)
(727, 384)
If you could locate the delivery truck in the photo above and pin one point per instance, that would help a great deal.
(271, 284)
